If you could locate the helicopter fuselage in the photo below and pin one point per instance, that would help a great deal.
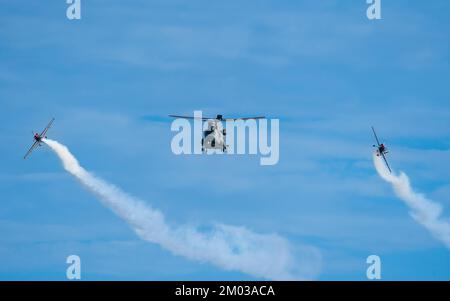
(214, 136)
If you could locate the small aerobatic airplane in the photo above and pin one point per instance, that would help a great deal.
(381, 149)
(38, 138)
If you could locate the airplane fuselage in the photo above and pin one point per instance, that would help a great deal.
(37, 137)
(381, 150)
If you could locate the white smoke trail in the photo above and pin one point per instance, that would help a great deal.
(423, 210)
(228, 247)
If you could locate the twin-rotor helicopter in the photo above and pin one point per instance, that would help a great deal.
(214, 137)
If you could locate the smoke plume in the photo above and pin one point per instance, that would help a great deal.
(232, 248)
(424, 211)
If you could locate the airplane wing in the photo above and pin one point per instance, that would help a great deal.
(387, 164)
(46, 128)
(376, 137)
(36, 143)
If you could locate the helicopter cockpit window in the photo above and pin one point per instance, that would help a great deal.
(206, 133)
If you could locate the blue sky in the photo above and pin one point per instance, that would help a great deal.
(323, 69)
